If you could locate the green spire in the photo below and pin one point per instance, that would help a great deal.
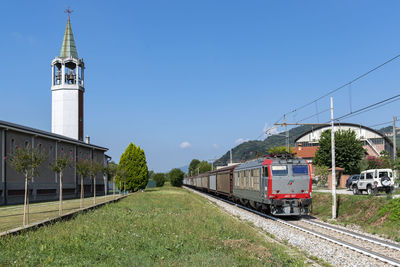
(68, 48)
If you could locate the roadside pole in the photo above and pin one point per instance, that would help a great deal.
(333, 180)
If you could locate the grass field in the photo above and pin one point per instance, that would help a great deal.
(167, 226)
(377, 215)
(11, 216)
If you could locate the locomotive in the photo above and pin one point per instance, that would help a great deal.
(280, 186)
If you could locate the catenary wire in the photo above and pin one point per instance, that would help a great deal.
(346, 84)
(311, 116)
(370, 107)
(379, 124)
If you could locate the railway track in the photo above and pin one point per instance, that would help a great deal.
(383, 251)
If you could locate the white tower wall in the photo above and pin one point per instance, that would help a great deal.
(65, 113)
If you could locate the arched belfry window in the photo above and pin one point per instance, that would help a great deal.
(70, 73)
(57, 73)
(80, 74)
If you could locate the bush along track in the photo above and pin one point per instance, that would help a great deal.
(375, 215)
(163, 226)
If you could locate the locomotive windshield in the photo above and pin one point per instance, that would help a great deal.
(300, 169)
(279, 170)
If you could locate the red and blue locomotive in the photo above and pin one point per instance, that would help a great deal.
(276, 185)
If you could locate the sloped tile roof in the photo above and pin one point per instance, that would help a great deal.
(305, 151)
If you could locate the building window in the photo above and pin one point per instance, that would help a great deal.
(40, 148)
(26, 144)
(12, 149)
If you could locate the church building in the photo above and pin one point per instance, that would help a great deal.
(66, 136)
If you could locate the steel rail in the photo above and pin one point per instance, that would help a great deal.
(353, 234)
(353, 247)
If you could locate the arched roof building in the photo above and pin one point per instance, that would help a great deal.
(373, 141)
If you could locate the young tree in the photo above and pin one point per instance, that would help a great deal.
(120, 178)
(59, 166)
(27, 162)
(159, 178)
(111, 171)
(94, 169)
(348, 150)
(83, 169)
(133, 163)
(176, 177)
(193, 167)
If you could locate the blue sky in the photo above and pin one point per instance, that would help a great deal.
(191, 79)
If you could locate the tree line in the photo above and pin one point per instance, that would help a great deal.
(176, 175)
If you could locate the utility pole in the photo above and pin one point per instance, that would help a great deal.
(212, 163)
(394, 138)
(231, 155)
(333, 180)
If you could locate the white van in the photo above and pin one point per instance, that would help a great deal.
(374, 181)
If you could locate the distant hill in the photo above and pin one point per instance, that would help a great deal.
(252, 149)
(389, 130)
(386, 130)
(255, 148)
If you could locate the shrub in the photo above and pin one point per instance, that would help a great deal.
(159, 178)
(176, 177)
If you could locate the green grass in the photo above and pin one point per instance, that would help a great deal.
(11, 216)
(167, 227)
(376, 215)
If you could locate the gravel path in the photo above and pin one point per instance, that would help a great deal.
(329, 252)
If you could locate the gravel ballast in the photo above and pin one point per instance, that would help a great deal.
(318, 247)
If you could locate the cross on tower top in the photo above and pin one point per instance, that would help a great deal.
(68, 11)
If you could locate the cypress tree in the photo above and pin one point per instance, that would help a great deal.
(134, 168)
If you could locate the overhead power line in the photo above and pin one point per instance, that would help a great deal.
(337, 89)
(379, 124)
(370, 107)
(316, 114)
(383, 123)
(346, 84)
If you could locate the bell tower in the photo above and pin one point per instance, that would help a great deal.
(67, 88)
